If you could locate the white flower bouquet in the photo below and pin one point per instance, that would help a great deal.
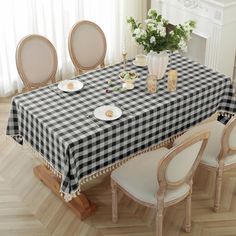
(158, 35)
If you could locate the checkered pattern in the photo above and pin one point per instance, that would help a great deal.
(62, 128)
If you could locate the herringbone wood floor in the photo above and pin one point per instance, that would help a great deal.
(27, 207)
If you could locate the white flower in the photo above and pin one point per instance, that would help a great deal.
(188, 36)
(151, 11)
(137, 31)
(150, 21)
(152, 27)
(182, 45)
(156, 27)
(152, 40)
(161, 29)
(143, 33)
(163, 32)
(187, 27)
(171, 32)
(178, 27)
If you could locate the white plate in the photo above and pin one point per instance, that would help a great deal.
(77, 85)
(139, 64)
(100, 112)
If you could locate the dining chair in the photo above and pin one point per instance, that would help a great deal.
(160, 178)
(220, 152)
(36, 61)
(87, 46)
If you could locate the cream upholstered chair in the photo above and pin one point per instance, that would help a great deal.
(87, 46)
(160, 178)
(220, 152)
(36, 61)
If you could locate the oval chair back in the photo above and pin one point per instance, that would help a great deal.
(179, 165)
(87, 45)
(36, 61)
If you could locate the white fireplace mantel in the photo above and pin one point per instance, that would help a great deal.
(216, 23)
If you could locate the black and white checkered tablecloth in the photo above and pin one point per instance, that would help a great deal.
(57, 125)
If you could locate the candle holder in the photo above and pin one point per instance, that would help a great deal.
(124, 54)
(152, 83)
(172, 80)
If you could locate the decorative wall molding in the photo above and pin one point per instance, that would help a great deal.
(216, 23)
(190, 3)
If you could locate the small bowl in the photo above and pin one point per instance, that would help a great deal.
(128, 77)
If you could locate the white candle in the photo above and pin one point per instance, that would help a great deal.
(124, 43)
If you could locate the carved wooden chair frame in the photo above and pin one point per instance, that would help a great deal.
(164, 184)
(29, 85)
(224, 152)
(79, 68)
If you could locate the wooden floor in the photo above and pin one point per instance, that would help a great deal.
(27, 207)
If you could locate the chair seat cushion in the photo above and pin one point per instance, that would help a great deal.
(210, 155)
(138, 176)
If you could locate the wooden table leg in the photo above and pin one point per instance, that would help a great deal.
(80, 205)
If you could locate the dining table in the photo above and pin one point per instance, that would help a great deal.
(77, 147)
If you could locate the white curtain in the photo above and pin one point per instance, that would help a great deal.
(54, 19)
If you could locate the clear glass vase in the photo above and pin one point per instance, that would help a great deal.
(152, 83)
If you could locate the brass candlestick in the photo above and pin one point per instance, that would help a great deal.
(124, 54)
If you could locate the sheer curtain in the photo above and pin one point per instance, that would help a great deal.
(54, 19)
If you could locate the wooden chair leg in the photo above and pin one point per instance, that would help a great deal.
(187, 223)
(159, 218)
(188, 210)
(218, 185)
(114, 201)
